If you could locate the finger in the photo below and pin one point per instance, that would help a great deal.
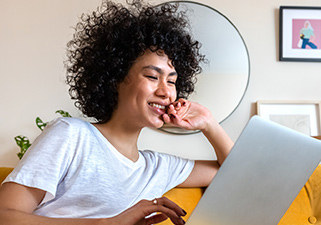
(178, 106)
(156, 219)
(183, 102)
(170, 213)
(170, 114)
(171, 109)
(166, 118)
(167, 207)
(172, 205)
(175, 119)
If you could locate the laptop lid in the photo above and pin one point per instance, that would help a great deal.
(264, 172)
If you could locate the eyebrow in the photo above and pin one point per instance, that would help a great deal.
(159, 70)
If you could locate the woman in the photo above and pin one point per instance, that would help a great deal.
(307, 35)
(128, 69)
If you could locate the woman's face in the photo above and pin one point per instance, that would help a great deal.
(147, 90)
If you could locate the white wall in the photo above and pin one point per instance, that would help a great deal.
(33, 36)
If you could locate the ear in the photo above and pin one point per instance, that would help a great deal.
(124, 83)
(127, 79)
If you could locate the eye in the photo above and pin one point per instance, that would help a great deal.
(172, 80)
(151, 77)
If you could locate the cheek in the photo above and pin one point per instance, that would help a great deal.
(173, 95)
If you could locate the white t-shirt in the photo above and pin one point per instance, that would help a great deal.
(84, 176)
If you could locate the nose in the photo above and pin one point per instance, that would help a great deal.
(163, 90)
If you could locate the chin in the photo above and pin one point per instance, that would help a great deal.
(157, 124)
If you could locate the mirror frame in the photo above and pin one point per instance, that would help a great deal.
(180, 131)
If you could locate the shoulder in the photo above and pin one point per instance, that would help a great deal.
(60, 130)
(67, 123)
(64, 129)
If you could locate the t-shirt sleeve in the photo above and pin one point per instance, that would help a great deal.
(178, 170)
(47, 160)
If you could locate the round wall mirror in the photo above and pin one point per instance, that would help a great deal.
(224, 79)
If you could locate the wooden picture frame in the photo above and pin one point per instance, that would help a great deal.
(302, 116)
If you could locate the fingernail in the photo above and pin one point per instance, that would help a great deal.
(184, 212)
(183, 221)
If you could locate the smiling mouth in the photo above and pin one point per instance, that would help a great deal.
(157, 106)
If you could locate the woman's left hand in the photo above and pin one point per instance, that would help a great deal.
(188, 115)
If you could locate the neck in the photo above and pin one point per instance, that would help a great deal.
(122, 137)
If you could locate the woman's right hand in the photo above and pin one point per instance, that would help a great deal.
(139, 213)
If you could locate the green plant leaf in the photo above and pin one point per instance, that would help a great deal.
(40, 124)
(24, 143)
(63, 113)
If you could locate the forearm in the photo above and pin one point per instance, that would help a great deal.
(193, 116)
(204, 171)
(14, 217)
(219, 139)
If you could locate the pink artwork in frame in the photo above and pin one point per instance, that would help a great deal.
(300, 24)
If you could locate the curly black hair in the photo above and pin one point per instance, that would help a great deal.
(107, 42)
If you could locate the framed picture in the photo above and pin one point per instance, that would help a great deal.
(302, 116)
(300, 34)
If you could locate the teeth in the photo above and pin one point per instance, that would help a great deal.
(157, 106)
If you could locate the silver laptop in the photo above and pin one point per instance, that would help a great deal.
(264, 172)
